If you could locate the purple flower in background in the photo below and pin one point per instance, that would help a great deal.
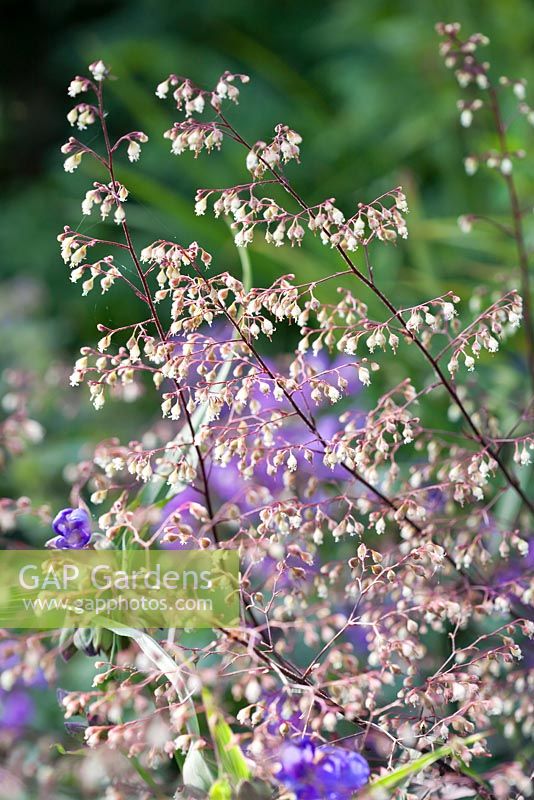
(226, 483)
(325, 773)
(265, 571)
(16, 706)
(73, 529)
(357, 635)
(281, 707)
(16, 709)
(9, 659)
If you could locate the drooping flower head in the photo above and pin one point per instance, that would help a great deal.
(73, 529)
(321, 773)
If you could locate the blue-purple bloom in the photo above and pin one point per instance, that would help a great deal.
(321, 773)
(16, 709)
(281, 707)
(73, 529)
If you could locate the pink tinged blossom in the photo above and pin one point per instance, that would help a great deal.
(98, 70)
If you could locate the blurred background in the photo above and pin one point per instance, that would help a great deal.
(361, 81)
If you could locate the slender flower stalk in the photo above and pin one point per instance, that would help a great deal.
(147, 296)
(472, 65)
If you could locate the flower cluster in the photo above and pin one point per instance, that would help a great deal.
(284, 147)
(106, 197)
(495, 324)
(193, 100)
(18, 428)
(379, 219)
(194, 136)
(461, 55)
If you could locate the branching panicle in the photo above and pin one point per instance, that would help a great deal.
(385, 603)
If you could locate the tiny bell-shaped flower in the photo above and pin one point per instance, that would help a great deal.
(470, 165)
(506, 166)
(119, 215)
(98, 70)
(201, 205)
(520, 90)
(77, 85)
(135, 140)
(162, 89)
(466, 118)
(448, 311)
(364, 376)
(72, 162)
(134, 151)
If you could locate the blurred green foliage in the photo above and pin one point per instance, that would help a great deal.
(362, 82)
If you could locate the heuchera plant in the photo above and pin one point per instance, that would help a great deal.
(386, 593)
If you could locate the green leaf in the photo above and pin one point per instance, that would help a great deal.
(64, 637)
(145, 775)
(161, 660)
(221, 790)
(230, 757)
(196, 772)
(61, 750)
(398, 776)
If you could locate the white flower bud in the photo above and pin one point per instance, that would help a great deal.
(76, 86)
(466, 117)
(291, 463)
(162, 89)
(448, 311)
(364, 376)
(87, 286)
(72, 162)
(470, 363)
(470, 165)
(519, 90)
(119, 215)
(506, 166)
(465, 224)
(200, 206)
(134, 151)
(98, 70)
